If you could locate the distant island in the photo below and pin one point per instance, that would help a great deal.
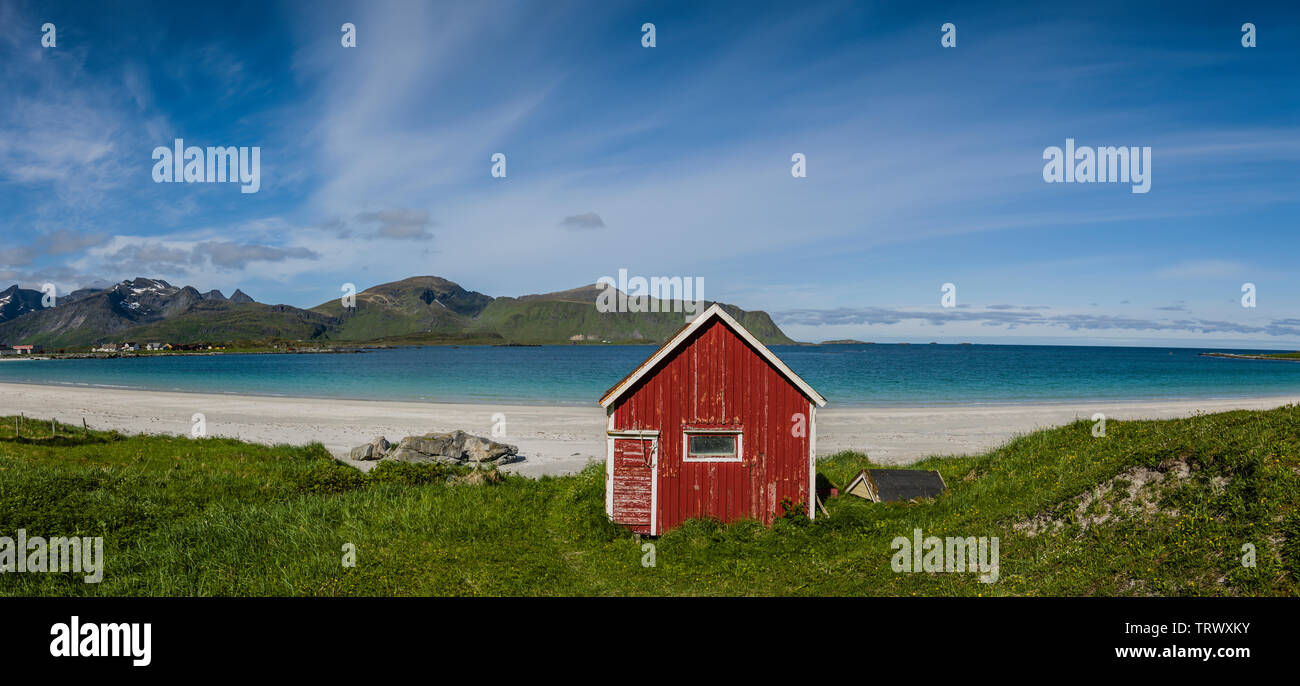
(847, 341)
(151, 315)
(1285, 357)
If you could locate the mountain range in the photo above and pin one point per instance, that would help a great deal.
(421, 309)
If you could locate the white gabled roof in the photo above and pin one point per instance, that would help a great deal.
(715, 310)
(865, 477)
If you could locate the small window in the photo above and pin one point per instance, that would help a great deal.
(712, 446)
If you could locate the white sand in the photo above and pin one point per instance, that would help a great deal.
(557, 439)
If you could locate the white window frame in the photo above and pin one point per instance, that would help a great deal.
(686, 445)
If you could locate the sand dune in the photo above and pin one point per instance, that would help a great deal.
(557, 439)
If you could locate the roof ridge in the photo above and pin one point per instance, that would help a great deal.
(714, 310)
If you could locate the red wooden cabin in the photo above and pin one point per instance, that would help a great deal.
(711, 425)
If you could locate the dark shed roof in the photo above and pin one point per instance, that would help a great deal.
(889, 485)
(905, 484)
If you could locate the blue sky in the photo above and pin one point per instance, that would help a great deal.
(924, 164)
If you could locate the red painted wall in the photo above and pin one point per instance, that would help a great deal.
(715, 380)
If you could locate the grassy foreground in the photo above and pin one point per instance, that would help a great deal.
(220, 517)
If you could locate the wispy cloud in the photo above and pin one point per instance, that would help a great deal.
(586, 220)
(55, 243)
(400, 224)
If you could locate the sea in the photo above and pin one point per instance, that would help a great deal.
(847, 375)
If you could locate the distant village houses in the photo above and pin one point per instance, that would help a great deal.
(18, 349)
(154, 346)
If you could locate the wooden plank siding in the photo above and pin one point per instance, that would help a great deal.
(716, 380)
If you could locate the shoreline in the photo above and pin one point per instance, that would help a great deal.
(561, 439)
(833, 406)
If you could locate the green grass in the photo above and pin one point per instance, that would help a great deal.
(221, 517)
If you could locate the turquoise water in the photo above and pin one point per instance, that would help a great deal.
(845, 374)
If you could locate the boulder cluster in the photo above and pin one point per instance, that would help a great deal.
(454, 448)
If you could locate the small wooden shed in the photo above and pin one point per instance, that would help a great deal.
(713, 424)
(891, 485)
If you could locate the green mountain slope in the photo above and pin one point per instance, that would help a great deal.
(143, 310)
(418, 305)
(528, 320)
(212, 321)
(422, 309)
(436, 309)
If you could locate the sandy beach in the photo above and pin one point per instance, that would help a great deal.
(558, 439)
